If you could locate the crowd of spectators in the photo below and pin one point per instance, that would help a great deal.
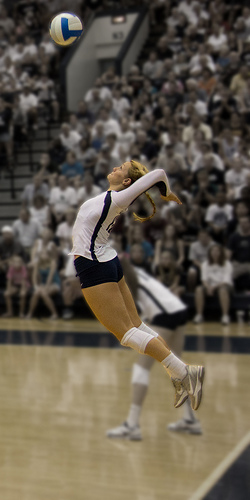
(184, 108)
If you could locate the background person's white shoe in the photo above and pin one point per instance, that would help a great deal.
(225, 320)
(125, 432)
(198, 319)
(185, 426)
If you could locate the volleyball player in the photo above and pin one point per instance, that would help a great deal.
(166, 313)
(101, 276)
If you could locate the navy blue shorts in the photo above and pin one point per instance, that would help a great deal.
(92, 272)
(170, 321)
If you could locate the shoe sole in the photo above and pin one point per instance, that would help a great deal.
(127, 438)
(198, 389)
(187, 431)
(182, 401)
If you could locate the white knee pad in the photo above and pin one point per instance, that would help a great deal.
(145, 328)
(137, 339)
(140, 375)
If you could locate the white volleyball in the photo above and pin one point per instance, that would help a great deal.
(65, 28)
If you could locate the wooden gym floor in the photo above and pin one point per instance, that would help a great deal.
(57, 401)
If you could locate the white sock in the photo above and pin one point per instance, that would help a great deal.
(133, 416)
(174, 366)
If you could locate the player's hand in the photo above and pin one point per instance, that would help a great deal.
(171, 197)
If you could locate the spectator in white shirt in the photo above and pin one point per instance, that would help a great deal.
(217, 39)
(216, 276)
(62, 197)
(39, 210)
(70, 139)
(88, 190)
(187, 8)
(195, 125)
(64, 232)
(151, 68)
(218, 216)
(26, 230)
(205, 152)
(110, 125)
(120, 104)
(104, 92)
(28, 104)
(198, 252)
(236, 176)
(126, 137)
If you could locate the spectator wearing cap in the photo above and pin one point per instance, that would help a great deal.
(36, 187)
(72, 168)
(26, 230)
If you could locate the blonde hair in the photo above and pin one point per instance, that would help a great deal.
(136, 171)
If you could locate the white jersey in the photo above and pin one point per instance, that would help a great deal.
(154, 298)
(97, 216)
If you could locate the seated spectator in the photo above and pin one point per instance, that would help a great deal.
(72, 168)
(207, 81)
(110, 78)
(244, 102)
(87, 155)
(215, 175)
(70, 139)
(120, 103)
(171, 243)
(62, 197)
(218, 215)
(98, 136)
(173, 163)
(216, 40)
(57, 152)
(126, 137)
(17, 284)
(198, 252)
(228, 146)
(47, 99)
(146, 146)
(45, 243)
(169, 273)
(9, 246)
(236, 176)
(195, 125)
(39, 210)
(239, 81)
(222, 104)
(206, 152)
(36, 187)
(152, 67)
(26, 230)
(29, 105)
(104, 91)
(77, 125)
(203, 191)
(46, 283)
(243, 192)
(236, 125)
(110, 125)
(88, 190)
(83, 113)
(94, 104)
(239, 252)
(216, 278)
(200, 107)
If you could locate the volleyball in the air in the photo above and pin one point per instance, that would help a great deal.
(65, 28)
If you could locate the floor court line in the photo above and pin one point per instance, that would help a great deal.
(223, 466)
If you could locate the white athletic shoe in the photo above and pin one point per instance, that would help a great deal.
(198, 319)
(180, 393)
(185, 426)
(125, 432)
(225, 320)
